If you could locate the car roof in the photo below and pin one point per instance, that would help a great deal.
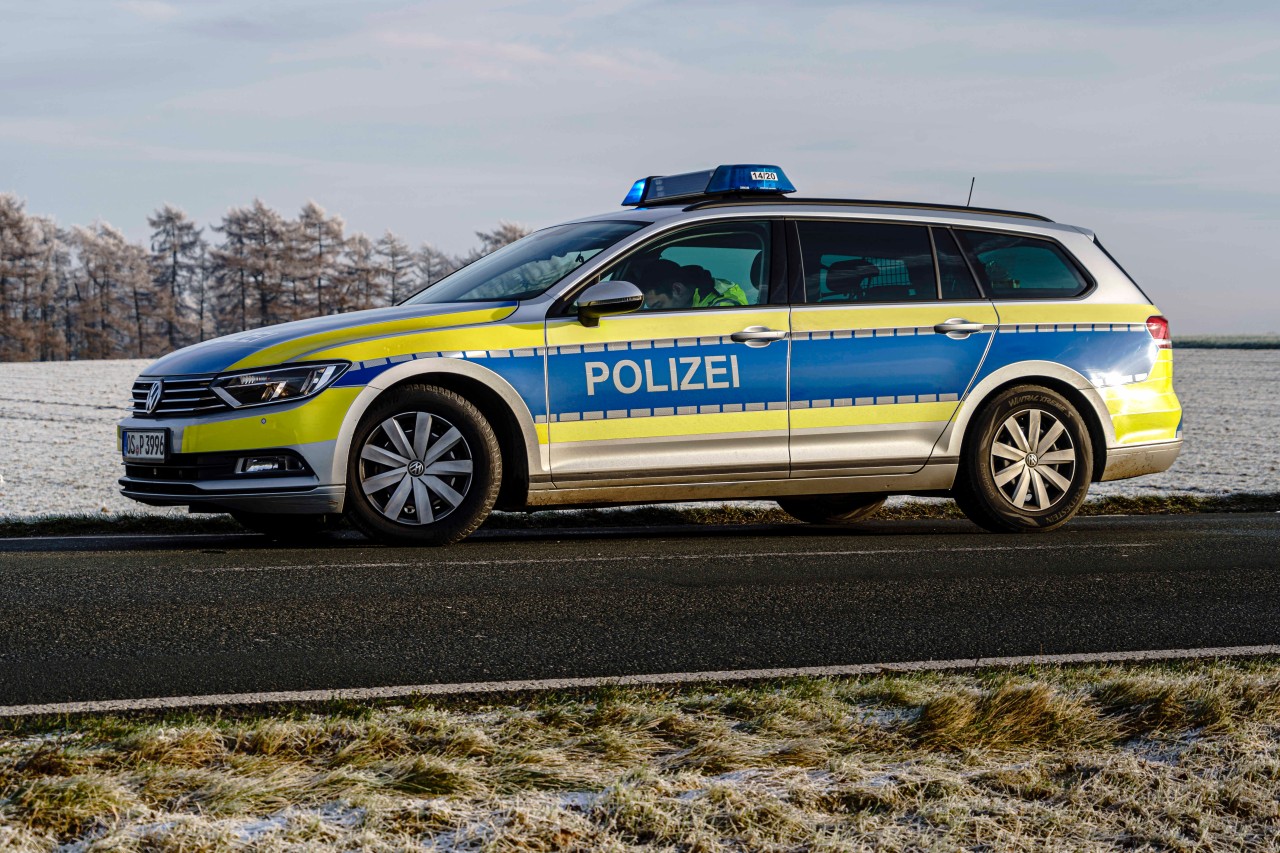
(905, 211)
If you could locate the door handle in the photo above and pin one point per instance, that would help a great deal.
(757, 336)
(958, 328)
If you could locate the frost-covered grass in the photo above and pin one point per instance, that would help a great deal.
(1182, 756)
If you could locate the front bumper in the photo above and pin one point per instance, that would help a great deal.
(200, 470)
(303, 499)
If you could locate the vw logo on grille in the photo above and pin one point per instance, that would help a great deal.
(154, 395)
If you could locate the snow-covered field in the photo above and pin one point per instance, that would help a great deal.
(57, 432)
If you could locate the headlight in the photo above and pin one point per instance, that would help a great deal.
(276, 384)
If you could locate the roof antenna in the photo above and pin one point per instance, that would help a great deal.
(970, 198)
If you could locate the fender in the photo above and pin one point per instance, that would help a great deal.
(534, 450)
(948, 445)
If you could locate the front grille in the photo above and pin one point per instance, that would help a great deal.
(180, 395)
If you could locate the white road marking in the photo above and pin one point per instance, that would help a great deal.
(405, 691)
(655, 558)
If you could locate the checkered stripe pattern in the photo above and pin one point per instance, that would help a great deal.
(771, 405)
(718, 340)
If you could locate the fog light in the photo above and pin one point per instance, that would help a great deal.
(266, 464)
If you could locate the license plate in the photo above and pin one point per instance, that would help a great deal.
(145, 445)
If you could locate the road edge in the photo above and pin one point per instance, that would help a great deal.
(671, 678)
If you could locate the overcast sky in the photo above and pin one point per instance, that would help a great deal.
(1155, 123)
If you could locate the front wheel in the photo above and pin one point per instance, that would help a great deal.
(1027, 464)
(424, 468)
(832, 509)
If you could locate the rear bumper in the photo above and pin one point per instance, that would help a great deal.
(279, 496)
(1136, 460)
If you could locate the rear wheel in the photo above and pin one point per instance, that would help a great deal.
(1028, 462)
(832, 509)
(424, 468)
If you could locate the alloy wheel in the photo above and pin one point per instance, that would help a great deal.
(415, 468)
(1033, 460)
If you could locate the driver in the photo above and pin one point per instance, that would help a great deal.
(667, 286)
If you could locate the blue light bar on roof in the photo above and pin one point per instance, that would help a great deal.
(636, 194)
(751, 179)
(740, 178)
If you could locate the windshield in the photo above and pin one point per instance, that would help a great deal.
(526, 268)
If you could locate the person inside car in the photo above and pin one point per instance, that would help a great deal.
(669, 286)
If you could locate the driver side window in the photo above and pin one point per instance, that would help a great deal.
(722, 265)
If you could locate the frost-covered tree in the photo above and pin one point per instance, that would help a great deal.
(88, 292)
(319, 244)
(176, 248)
(504, 233)
(18, 252)
(432, 265)
(396, 266)
(49, 316)
(360, 279)
(248, 269)
(114, 283)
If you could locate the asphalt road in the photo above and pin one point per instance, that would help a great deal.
(91, 619)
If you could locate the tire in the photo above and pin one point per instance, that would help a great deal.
(832, 509)
(454, 471)
(1009, 483)
(286, 527)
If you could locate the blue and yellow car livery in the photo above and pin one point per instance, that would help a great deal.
(880, 344)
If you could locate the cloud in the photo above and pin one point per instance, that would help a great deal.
(436, 117)
(152, 10)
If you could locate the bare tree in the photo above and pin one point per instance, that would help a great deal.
(90, 293)
(360, 277)
(506, 232)
(319, 243)
(176, 246)
(396, 266)
(18, 253)
(229, 264)
(114, 282)
(433, 265)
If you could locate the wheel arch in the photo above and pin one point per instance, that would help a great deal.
(1067, 382)
(496, 399)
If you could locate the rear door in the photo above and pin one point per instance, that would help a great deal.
(888, 331)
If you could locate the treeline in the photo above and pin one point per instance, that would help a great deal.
(87, 292)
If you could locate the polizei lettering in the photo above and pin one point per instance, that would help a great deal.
(681, 373)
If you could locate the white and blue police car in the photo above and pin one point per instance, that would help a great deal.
(716, 339)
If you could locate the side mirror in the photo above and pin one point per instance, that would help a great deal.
(607, 298)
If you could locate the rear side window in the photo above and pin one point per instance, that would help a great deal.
(957, 281)
(866, 262)
(1017, 267)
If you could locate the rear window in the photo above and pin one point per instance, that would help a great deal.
(866, 263)
(1016, 267)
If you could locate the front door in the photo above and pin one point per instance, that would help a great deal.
(885, 345)
(692, 388)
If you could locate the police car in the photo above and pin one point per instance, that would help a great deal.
(717, 339)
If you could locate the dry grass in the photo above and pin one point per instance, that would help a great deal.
(1170, 757)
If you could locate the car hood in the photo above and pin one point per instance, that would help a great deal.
(288, 342)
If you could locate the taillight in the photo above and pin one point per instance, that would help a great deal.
(1159, 328)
